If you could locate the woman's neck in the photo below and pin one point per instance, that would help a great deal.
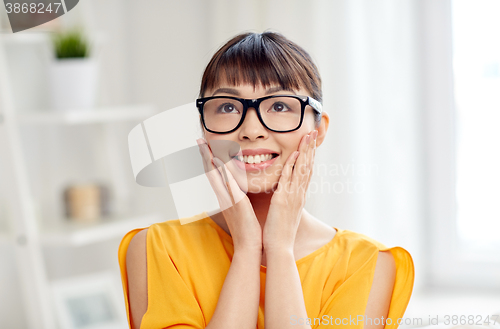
(260, 203)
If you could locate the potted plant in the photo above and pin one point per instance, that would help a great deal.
(73, 72)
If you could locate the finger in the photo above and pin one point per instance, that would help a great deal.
(225, 170)
(305, 172)
(206, 156)
(220, 178)
(222, 169)
(238, 191)
(286, 173)
(310, 151)
(224, 193)
(239, 174)
(303, 177)
(214, 176)
(300, 166)
(313, 156)
(208, 159)
(233, 188)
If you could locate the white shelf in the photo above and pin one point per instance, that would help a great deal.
(40, 37)
(88, 116)
(25, 37)
(79, 234)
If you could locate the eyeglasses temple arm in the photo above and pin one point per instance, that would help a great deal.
(315, 104)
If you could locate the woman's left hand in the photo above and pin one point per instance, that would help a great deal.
(287, 202)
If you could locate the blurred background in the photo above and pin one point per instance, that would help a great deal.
(411, 159)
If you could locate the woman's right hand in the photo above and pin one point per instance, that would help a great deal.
(237, 209)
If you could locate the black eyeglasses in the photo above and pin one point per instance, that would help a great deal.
(278, 113)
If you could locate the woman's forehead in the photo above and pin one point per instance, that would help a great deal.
(248, 87)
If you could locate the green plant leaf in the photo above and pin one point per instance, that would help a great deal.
(71, 44)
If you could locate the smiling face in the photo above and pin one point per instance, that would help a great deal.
(267, 149)
(251, 66)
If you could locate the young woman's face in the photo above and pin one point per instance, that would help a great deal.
(252, 135)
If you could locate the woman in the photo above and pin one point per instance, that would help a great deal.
(263, 260)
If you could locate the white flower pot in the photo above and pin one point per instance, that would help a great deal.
(73, 83)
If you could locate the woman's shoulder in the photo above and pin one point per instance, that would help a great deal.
(138, 241)
(359, 242)
(171, 227)
(392, 267)
(134, 276)
(182, 230)
(363, 248)
(136, 254)
(316, 229)
(178, 237)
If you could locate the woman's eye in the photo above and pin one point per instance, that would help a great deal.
(227, 108)
(279, 107)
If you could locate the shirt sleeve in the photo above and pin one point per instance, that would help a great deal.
(171, 304)
(347, 305)
(403, 286)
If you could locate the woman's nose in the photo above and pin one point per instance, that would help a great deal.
(252, 128)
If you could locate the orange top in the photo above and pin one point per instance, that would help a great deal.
(187, 265)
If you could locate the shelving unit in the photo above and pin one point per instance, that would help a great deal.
(28, 38)
(76, 235)
(26, 233)
(88, 116)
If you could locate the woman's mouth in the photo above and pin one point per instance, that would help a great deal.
(255, 162)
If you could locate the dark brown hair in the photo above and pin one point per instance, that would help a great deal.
(263, 58)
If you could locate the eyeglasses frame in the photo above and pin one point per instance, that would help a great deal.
(255, 103)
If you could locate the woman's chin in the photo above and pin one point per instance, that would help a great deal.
(256, 186)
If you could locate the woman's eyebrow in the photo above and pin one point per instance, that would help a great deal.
(278, 88)
(236, 93)
(227, 91)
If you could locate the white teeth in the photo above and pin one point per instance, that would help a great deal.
(255, 158)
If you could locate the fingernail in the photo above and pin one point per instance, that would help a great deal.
(315, 134)
(308, 138)
(199, 141)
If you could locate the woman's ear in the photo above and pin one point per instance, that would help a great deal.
(323, 128)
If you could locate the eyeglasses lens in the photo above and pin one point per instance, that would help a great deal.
(278, 113)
